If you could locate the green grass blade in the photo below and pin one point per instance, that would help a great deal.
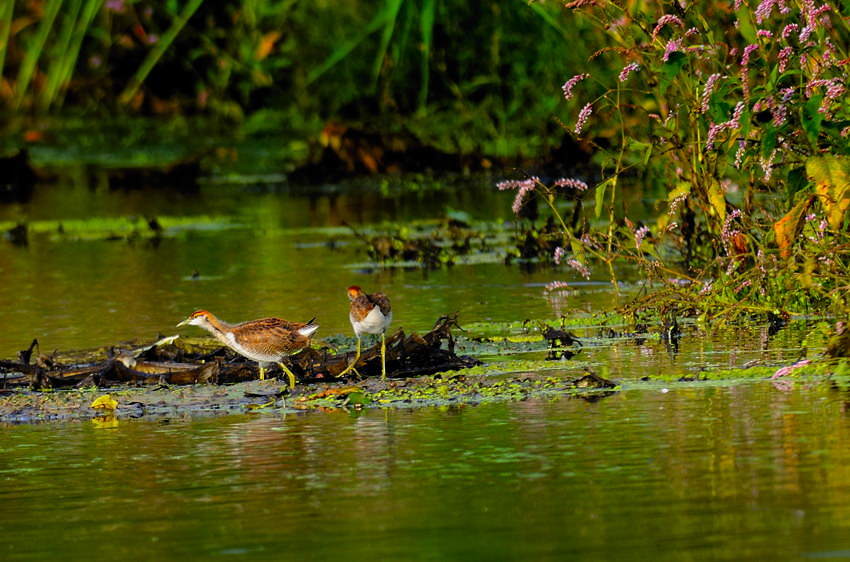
(34, 50)
(429, 14)
(345, 49)
(158, 50)
(5, 31)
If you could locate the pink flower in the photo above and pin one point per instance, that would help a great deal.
(745, 58)
(580, 267)
(559, 253)
(640, 234)
(709, 88)
(572, 183)
(582, 117)
(763, 10)
(673, 45)
(629, 68)
(766, 33)
(784, 55)
(664, 20)
(569, 84)
(789, 29)
(523, 187)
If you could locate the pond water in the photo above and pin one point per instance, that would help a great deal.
(255, 252)
(701, 472)
(735, 470)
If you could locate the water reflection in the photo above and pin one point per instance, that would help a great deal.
(700, 471)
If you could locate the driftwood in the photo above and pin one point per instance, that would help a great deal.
(174, 361)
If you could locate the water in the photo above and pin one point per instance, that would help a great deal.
(682, 471)
(287, 254)
(726, 472)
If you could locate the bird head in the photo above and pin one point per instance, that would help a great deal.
(354, 291)
(198, 318)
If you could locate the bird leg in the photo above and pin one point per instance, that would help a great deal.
(262, 373)
(353, 363)
(383, 357)
(289, 374)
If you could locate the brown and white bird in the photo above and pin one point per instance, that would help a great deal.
(369, 314)
(267, 340)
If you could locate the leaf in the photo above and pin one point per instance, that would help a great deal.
(105, 402)
(831, 175)
(717, 199)
(788, 227)
(671, 69)
(811, 119)
(745, 25)
(600, 193)
(266, 45)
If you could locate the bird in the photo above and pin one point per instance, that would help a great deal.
(369, 314)
(267, 340)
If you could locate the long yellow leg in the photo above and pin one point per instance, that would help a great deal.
(383, 357)
(289, 374)
(262, 373)
(353, 363)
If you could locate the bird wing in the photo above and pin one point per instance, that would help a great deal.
(271, 335)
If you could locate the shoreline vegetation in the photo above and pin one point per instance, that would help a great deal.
(734, 116)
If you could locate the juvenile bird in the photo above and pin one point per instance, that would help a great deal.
(267, 340)
(369, 314)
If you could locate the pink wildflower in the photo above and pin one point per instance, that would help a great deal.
(572, 183)
(559, 253)
(673, 45)
(569, 84)
(745, 58)
(766, 33)
(789, 29)
(579, 267)
(523, 188)
(640, 234)
(709, 88)
(664, 20)
(628, 69)
(763, 10)
(739, 155)
(582, 117)
(784, 55)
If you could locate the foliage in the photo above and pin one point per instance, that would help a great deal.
(740, 113)
(469, 71)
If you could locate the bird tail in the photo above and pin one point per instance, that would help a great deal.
(309, 328)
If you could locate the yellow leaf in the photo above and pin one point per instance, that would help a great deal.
(788, 227)
(105, 402)
(717, 199)
(831, 175)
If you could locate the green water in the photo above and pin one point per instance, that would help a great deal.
(257, 252)
(680, 471)
(738, 472)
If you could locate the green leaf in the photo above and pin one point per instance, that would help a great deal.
(745, 25)
(811, 119)
(600, 194)
(671, 69)
(768, 141)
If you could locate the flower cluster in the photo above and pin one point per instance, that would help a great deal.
(522, 187)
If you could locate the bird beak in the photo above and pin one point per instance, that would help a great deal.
(184, 322)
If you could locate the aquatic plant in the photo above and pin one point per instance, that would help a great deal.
(739, 115)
